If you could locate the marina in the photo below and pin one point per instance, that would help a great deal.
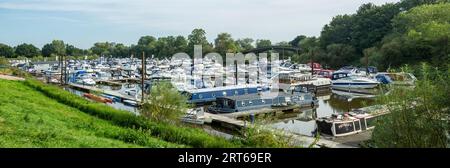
(308, 101)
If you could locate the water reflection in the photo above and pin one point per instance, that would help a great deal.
(333, 103)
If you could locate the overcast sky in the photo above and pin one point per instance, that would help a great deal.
(84, 22)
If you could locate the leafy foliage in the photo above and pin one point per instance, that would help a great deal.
(418, 117)
(6, 51)
(165, 103)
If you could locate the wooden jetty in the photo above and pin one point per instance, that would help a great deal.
(108, 92)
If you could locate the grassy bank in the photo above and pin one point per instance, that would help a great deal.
(30, 119)
(176, 134)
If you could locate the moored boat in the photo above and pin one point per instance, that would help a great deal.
(97, 98)
(339, 125)
(343, 79)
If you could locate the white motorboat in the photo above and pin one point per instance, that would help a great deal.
(344, 79)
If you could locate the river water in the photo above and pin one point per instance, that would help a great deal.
(304, 122)
(299, 122)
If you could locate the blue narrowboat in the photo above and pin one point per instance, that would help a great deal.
(232, 104)
(207, 95)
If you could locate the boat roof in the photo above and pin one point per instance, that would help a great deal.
(221, 88)
(251, 96)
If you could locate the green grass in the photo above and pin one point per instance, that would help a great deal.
(189, 136)
(28, 118)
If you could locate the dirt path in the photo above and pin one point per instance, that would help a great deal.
(7, 77)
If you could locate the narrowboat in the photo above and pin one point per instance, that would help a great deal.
(353, 122)
(369, 115)
(339, 125)
(242, 103)
(230, 104)
(208, 95)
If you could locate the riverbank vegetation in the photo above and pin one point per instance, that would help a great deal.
(176, 134)
(28, 118)
(164, 104)
(419, 116)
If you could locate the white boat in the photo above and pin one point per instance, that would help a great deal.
(344, 79)
(194, 116)
(130, 102)
(86, 80)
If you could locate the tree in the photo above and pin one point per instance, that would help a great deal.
(58, 47)
(27, 50)
(418, 117)
(371, 23)
(165, 47)
(180, 44)
(338, 31)
(263, 43)
(340, 54)
(225, 44)
(165, 103)
(47, 50)
(283, 43)
(73, 51)
(245, 44)
(120, 50)
(198, 37)
(146, 44)
(295, 42)
(420, 34)
(146, 40)
(102, 48)
(6, 51)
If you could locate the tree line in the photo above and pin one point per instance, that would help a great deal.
(389, 35)
(162, 47)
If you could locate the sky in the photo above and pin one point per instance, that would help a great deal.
(84, 22)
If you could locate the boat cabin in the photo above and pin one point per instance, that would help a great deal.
(206, 95)
(340, 74)
(232, 104)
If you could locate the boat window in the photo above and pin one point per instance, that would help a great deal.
(236, 92)
(243, 103)
(213, 94)
(246, 91)
(250, 102)
(200, 96)
(225, 102)
(263, 101)
(224, 93)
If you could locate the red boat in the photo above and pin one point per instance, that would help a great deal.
(97, 98)
(326, 73)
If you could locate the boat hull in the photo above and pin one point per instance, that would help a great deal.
(353, 85)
